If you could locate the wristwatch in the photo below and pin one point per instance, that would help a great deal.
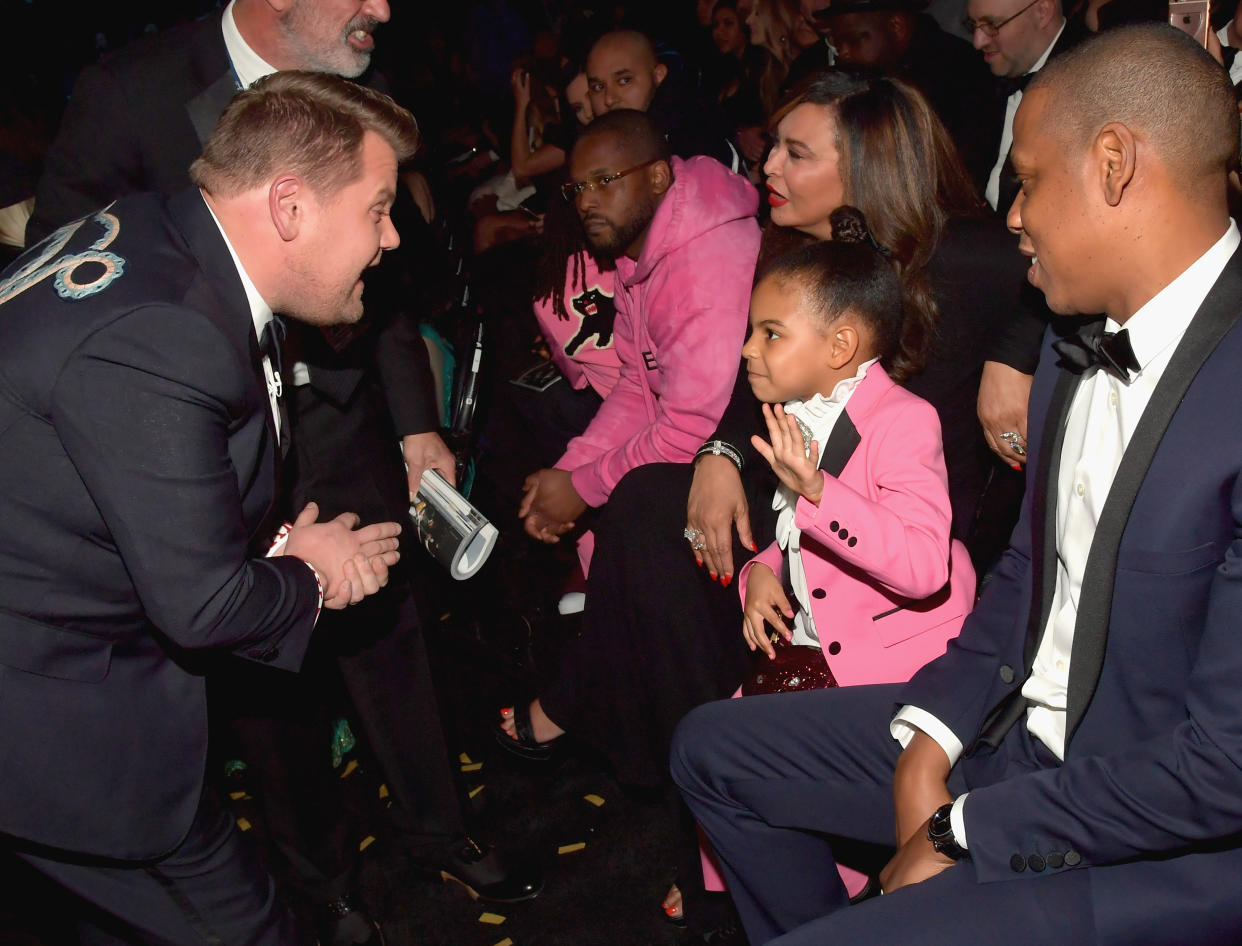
(940, 833)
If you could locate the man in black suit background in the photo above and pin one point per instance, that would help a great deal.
(137, 485)
(1017, 38)
(135, 121)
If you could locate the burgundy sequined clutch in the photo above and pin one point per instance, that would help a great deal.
(796, 667)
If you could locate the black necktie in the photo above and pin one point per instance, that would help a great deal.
(1093, 347)
(270, 343)
(1008, 85)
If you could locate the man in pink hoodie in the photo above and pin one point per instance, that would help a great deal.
(685, 240)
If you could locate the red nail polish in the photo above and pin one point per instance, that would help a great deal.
(1016, 466)
(669, 909)
(753, 547)
(726, 580)
(713, 574)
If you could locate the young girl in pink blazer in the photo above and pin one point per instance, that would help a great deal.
(862, 569)
(863, 504)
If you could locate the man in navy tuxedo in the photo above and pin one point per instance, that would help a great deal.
(139, 455)
(1071, 769)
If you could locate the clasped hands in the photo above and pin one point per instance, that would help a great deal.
(550, 506)
(352, 561)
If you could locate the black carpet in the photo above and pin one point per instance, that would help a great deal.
(606, 852)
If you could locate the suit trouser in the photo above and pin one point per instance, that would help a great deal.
(377, 646)
(778, 781)
(210, 891)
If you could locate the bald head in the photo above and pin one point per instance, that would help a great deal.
(1123, 148)
(623, 72)
(1161, 85)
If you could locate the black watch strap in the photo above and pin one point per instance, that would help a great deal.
(940, 833)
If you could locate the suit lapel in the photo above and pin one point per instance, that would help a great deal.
(1217, 315)
(206, 107)
(1044, 511)
(842, 443)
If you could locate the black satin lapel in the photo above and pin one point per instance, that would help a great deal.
(842, 443)
(1217, 315)
(206, 107)
(1044, 511)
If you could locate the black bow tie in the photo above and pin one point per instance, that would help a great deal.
(1092, 347)
(271, 340)
(1008, 85)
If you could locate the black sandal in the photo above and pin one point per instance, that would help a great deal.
(523, 742)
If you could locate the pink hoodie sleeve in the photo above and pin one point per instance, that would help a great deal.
(697, 328)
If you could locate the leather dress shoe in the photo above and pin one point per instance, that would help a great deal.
(483, 872)
(346, 925)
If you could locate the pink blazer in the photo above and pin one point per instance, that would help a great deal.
(889, 588)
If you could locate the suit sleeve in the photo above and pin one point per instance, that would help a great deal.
(397, 300)
(1175, 790)
(145, 408)
(698, 347)
(901, 538)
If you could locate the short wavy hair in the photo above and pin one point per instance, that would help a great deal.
(306, 123)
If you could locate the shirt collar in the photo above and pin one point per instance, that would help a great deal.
(260, 311)
(1164, 318)
(248, 66)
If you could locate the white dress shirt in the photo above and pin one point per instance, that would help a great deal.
(1103, 415)
(991, 192)
(261, 314)
(820, 414)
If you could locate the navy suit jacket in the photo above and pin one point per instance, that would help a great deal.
(1149, 797)
(137, 477)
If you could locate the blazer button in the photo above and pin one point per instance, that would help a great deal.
(819, 593)
(1017, 863)
(1035, 863)
(1072, 858)
(1006, 673)
(843, 535)
(853, 541)
(834, 648)
(1055, 859)
(834, 526)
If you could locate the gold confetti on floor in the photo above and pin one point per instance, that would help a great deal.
(594, 799)
(495, 919)
(243, 824)
(383, 791)
(571, 848)
(472, 767)
(366, 842)
(476, 790)
(505, 942)
(350, 768)
(464, 759)
(239, 796)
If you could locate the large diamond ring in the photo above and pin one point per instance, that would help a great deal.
(690, 534)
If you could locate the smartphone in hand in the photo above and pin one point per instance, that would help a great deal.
(1191, 17)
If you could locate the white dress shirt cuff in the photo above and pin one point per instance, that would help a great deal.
(911, 719)
(957, 821)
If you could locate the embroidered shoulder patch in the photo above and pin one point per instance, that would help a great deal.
(77, 275)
